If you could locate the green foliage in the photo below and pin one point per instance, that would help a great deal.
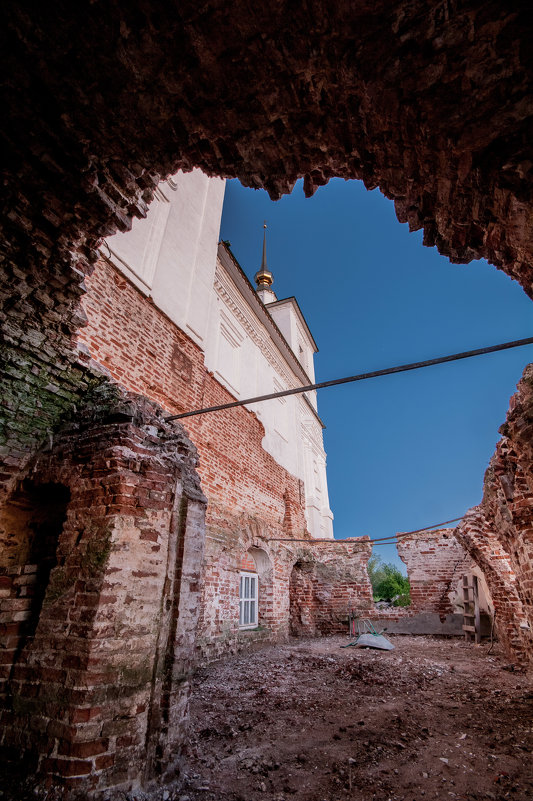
(388, 584)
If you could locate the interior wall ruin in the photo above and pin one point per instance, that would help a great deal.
(430, 102)
(499, 532)
(94, 679)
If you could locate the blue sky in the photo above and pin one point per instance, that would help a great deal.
(403, 451)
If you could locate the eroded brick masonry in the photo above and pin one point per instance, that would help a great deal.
(102, 550)
(430, 102)
(499, 532)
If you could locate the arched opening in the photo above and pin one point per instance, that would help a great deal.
(301, 599)
(30, 526)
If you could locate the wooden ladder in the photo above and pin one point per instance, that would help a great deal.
(471, 617)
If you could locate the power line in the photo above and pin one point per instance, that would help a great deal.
(403, 368)
(349, 541)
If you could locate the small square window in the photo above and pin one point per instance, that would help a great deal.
(248, 600)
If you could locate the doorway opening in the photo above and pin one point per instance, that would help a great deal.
(30, 526)
(390, 584)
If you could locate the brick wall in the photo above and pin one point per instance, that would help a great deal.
(435, 562)
(252, 500)
(499, 533)
(147, 353)
(100, 676)
(327, 581)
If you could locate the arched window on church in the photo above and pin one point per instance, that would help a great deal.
(248, 600)
(255, 589)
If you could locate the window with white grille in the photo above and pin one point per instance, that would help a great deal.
(248, 600)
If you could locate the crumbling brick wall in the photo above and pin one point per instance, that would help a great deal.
(87, 129)
(253, 502)
(94, 695)
(40, 380)
(327, 581)
(499, 533)
(482, 542)
(231, 548)
(69, 182)
(435, 562)
(149, 354)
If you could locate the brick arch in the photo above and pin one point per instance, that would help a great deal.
(430, 102)
(498, 533)
(481, 540)
(265, 570)
(302, 598)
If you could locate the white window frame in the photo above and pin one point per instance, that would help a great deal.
(248, 599)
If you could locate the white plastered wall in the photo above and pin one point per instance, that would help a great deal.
(171, 256)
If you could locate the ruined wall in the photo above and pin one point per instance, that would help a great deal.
(430, 102)
(252, 500)
(499, 533)
(228, 551)
(94, 681)
(435, 562)
(40, 381)
(146, 352)
(481, 541)
(327, 581)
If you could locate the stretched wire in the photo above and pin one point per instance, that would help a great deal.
(350, 541)
(402, 368)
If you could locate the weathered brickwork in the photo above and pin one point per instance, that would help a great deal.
(477, 535)
(40, 381)
(253, 502)
(147, 353)
(430, 102)
(94, 679)
(379, 95)
(435, 562)
(499, 533)
(327, 581)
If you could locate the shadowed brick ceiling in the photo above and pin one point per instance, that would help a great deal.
(430, 101)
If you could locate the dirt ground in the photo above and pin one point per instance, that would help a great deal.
(312, 721)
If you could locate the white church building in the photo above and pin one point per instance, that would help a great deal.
(253, 342)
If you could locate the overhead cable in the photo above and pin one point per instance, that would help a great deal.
(353, 541)
(402, 368)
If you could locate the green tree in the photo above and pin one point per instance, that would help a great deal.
(388, 584)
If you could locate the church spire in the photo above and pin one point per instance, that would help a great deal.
(263, 277)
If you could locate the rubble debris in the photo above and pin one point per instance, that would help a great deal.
(335, 718)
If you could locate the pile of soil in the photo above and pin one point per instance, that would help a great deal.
(312, 721)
